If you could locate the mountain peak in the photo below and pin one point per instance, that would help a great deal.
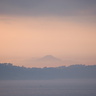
(49, 61)
(50, 57)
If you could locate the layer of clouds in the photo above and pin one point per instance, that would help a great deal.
(46, 7)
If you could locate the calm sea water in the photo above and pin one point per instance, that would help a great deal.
(65, 87)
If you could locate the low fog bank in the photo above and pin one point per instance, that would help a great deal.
(10, 72)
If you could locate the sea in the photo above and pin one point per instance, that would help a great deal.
(55, 87)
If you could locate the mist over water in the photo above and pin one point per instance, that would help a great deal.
(59, 87)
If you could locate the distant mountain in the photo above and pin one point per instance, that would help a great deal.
(49, 61)
(49, 58)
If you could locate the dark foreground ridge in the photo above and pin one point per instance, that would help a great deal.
(10, 72)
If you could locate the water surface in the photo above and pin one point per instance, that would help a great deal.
(65, 87)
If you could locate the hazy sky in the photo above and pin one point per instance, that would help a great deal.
(34, 28)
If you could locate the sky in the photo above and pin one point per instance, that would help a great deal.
(31, 29)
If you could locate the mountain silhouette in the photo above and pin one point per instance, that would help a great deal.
(48, 61)
(49, 58)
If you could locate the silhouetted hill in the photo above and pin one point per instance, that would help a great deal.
(10, 72)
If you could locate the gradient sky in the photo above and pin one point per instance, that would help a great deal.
(34, 28)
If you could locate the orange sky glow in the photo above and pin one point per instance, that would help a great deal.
(30, 37)
(65, 31)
